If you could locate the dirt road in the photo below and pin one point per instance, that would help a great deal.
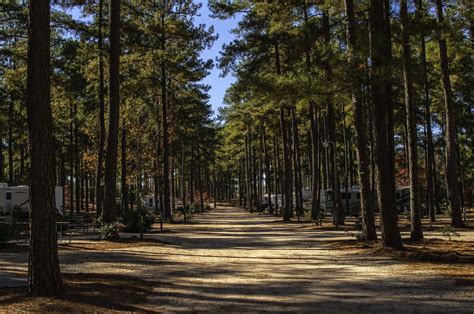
(228, 260)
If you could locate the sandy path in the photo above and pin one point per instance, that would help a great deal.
(229, 260)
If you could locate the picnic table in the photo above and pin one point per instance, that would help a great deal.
(20, 230)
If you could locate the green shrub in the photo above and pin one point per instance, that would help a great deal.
(137, 221)
(449, 232)
(110, 231)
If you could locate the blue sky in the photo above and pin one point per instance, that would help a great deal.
(222, 28)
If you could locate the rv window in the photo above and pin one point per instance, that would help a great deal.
(8, 196)
(358, 195)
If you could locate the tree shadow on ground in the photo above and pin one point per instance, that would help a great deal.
(84, 292)
(241, 264)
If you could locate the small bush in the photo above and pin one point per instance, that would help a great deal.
(110, 231)
(136, 221)
(449, 232)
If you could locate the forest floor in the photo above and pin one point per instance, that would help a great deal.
(228, 260)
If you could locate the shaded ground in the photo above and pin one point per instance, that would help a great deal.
(230, 260)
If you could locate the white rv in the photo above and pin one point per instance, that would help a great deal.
(350, 199)
(17, 198)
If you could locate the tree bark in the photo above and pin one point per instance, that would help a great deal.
(361, 137)
(286, 168)
(381, 107)
(11, 179)
(43, 272)
(109, 214)
(183, 177)
(268, 170)
(431, 197)
(389, 91)
(315, 206)
(125, 198)
(416, 232)
(191, 177)
(452, 187)
(164, 116)
(199, 166)
(338, 214)
(297, 165)
(278, 182)
(77, 174)
(71, 159)
(173, 186)
(101, 95)
(248, 171)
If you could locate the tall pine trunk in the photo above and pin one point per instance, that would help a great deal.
(361, 136)
(278, 181)
(338, 214)
(77, 161)
(315, 206)
(268, 170)
(43, 272)
(286, 168)
(286, 190)
(109, 214)
(452, 185)
(382, 123)
(430, 167)
(416, 232)
(183, 177)
(250, 194)
(125, 197)
(101, 95)
(11, 180)
(164, 116)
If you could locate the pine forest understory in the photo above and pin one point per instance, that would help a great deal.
(336, 173)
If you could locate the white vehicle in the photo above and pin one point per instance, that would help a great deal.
(350, 199)
(17, 198)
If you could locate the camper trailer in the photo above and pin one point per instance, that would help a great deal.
(17, 199)
(350, 199)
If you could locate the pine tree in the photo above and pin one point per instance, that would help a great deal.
(43, 273)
